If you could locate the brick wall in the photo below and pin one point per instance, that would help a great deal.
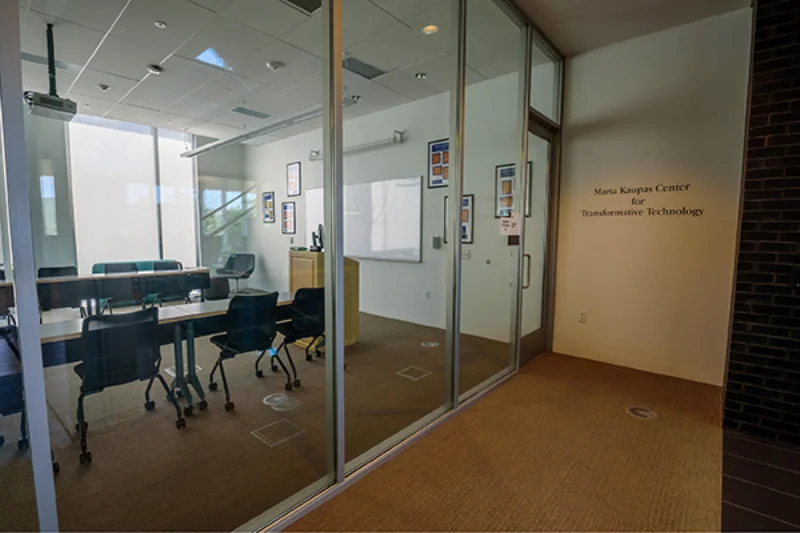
(763, 387)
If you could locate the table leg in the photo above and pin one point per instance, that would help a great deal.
(180, 381)
(191, 375)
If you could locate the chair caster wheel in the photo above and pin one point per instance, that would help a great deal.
(22, 444)
(56, 467)
(288, 386)
(150, 405)
(188, 411)
(202, 405)
(213, 386)
(180, 423)
(85, 427)
(86, 457)
(259, 373)
(296, 383)
(309, 357)
(178, 393)
(230, 406)
(274, 368)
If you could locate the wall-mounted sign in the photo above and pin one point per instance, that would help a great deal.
(288, 216)
(293, 179)
(438, 163)
(268, 205)
(646, 201)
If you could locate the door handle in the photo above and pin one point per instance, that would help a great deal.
(527, 283)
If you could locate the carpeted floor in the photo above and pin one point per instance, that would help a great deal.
(552, 450)
(216, 474)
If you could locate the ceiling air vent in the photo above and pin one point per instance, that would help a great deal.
(250, 112)
(362, 69)
(309, 7)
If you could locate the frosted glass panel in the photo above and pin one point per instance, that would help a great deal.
(113, 191)
(178, 226)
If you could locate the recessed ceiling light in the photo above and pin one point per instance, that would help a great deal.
(420, 75)
(156, 70)
(275, 65)
(356, 97)
(430, 29)
(87, 106)
(160, 24)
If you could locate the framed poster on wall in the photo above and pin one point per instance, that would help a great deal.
(467, 218)
(288, 218)
(505, 190)
(293, 179)
(438, 163)
(268, 203)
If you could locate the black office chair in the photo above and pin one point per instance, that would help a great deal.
(120, 268)
(237, 267)
(307, 314)
(166, 291)
(2, 274)
(249, 327)
(58, 272)
(119, 349)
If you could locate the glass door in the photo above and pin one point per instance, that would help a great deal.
(533, 327)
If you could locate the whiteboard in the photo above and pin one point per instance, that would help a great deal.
(382, 219)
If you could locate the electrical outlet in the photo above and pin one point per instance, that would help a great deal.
(583, 317)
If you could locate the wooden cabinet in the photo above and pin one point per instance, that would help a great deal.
(307, 269)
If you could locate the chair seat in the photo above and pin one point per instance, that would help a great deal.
(221, 342)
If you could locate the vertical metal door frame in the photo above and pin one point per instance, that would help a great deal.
(522, 179)
(455, 189)
(24, 275)
(334, 224)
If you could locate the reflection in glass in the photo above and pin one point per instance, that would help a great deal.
(545, 96)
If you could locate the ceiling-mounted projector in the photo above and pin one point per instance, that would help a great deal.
(50, 105)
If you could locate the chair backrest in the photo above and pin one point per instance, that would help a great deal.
(120, 268)
(58, 272)
(308, 312)
(119, 349)
(2, 274)
(167, 265)
(250, 321)
(243, 264)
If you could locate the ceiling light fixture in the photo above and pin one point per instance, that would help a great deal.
(420, 75)
(275, 65)
(160, 24)
(430, 29)
(155, 70)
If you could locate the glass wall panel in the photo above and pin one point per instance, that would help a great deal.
(492, 143)
(16, 475)
(546, 68)
(169, 407)
(397, 84)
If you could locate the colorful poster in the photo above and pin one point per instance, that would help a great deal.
(293, 179)
(438, 163)
(505, 190)
(467, 218)
(288, 218)
(268, 203)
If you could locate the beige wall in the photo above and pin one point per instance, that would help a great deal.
(667, 108)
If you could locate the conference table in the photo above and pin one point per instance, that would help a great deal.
(60, 337)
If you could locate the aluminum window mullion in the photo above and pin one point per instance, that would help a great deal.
(25, 294)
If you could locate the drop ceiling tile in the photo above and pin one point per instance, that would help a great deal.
(307, 36)
(214, 131)
(217, 6)
(87, 84)
(126, 59)
(361, 19)
(496, 55)
(229, 89)
(183, 19)
(35, 75)
(405, 9)
(131, 113)
(232, 40)
(152, 96)
(194, 107)
(297, 64)
(73, 43)
(299, 96)
(90, 13)
(486, 19)
(374, 96)
(270, 16)
(406, 84)
(187, 75)
(395, 48)
(227, 117)
(171, 121)
(96, 106)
